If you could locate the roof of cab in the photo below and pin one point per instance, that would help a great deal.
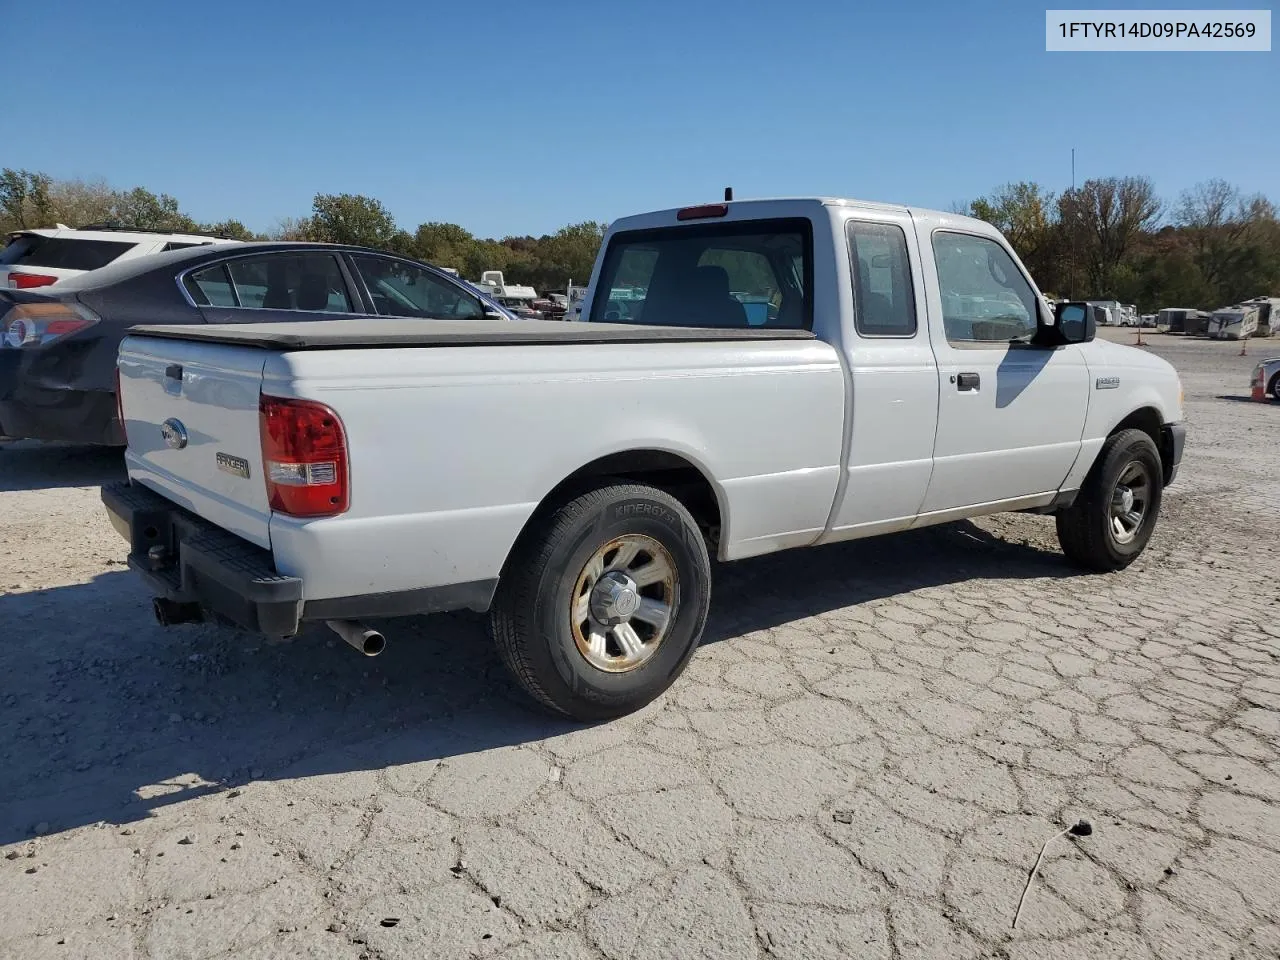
(746, 209)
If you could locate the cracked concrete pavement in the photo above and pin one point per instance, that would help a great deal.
(863, 760)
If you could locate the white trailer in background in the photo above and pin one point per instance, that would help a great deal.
(1268, 315)
(1234, 323)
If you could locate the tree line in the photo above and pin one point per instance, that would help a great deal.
(31, 199)
(1109, 239)
(1114, 239)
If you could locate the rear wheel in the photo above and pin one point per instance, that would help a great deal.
(603, 601)
(1275, 386)
(1115, 512)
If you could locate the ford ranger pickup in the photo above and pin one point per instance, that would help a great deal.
(747, 377)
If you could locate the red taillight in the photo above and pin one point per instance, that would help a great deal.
(304, 457)
(25, 281)
(702, 212)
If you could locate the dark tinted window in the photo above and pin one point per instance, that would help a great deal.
(884, 304)
(275, 281)
(33, 250)
(751, 274)
(401, 289)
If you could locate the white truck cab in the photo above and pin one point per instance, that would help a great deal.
(779, 374)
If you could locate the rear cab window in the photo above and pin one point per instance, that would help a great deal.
(66, 253)
(752, 273)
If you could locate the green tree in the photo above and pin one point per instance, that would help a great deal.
(1102, 221)
(1027, 216)
(24, 199)
(351, 218)
(231, 228)
(443, 244)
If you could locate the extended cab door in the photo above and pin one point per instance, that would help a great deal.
(893, 379)
(1010, 415)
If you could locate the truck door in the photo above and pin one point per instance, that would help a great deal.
(894, 381)
(1010, 415)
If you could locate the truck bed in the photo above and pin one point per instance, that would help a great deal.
(341, 334)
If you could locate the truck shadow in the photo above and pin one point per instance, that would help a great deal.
(32, 465)
(106, 717)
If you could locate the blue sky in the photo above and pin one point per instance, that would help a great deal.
(519, 117)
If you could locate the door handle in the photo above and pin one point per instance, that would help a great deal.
(968, 381)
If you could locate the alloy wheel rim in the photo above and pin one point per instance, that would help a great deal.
(1130, 501)
(623, 603)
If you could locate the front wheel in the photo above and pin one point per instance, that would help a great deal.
(1275, 387)
(603, 601)
(1115, 512)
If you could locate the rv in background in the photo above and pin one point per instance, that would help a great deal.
(1234, 323)
(1117, 314)
(1106, 312)
(1268, 315)
(1183, 320)
(516, 297)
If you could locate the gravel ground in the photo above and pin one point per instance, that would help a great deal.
(862, 761)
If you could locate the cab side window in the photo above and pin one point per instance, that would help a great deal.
(985, 297)
(883, 301)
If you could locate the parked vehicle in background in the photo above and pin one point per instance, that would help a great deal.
(1266, 378)
(634, 447)
(1234, 323)
(1147, 320)
(549, 308)
(58, 345)
(31, 259)
(1196, 323)
(1268, 315)
(1117, 314)
(1184, 320)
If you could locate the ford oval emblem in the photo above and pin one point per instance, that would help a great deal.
(174, 433)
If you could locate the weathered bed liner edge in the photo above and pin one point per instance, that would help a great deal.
(341, 334)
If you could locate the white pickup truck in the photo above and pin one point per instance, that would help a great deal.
(783, 373)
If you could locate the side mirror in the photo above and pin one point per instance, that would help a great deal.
(1073, 322)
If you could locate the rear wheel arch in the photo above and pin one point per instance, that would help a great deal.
(673, 473)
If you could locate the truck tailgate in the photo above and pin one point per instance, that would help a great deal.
(191, 418)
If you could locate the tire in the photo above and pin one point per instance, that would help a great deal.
(563, 587)
(1275, 387)
(1087, 529)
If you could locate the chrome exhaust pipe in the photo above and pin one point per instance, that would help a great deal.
(365, 639)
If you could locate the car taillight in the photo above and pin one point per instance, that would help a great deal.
(39, 324)
(304, 457)
(25, 281)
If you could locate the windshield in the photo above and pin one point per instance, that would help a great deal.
(754, 273)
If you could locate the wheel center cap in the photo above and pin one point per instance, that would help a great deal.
(1124, 499)
(615, 598)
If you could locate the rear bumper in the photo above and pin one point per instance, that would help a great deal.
(1172, 440)
(72, 416)
(187, 559)
(62, 392)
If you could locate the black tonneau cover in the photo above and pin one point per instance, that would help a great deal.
(340, 334)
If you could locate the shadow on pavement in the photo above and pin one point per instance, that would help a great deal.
(32, 465)
(105, 716)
